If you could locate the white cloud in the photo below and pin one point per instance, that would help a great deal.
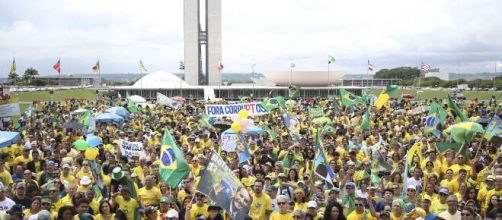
(389, 32)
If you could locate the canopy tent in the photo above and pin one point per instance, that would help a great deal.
(7, 138)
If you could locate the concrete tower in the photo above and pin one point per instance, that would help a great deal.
(202, 39)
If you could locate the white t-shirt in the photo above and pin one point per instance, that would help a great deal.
(446, 215)
(6, 204)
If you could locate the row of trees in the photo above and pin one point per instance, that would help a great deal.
(28, 78)
(409, 77)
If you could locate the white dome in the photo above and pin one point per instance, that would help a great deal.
(160, 79)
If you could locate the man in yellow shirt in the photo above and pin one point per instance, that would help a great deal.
(440, 205)
(261, 208)
(283, 213)
(200, 207)
(360, 212)
(149, 195)
(5, 177)
(125, 203)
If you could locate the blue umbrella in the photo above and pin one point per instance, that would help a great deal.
(254, 130)
(93, 141)
(119, 111)
(7, 138)
(108, 117)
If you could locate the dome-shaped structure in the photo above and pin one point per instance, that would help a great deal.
(160, 79)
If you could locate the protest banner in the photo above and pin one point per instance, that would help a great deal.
(229, 141)
(130, 149)
(9, 110)
(254, 108)
(224, 188)
(316, 112)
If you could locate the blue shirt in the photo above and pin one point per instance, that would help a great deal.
(430, 216)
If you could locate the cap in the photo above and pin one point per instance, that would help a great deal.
(413, 187)
(490, 178)
(498, 177)
(46, 200)
(350, 163)
(172, 213)
(66, 165)
(272, 188)
(85, 216)
(44, 215)
(117, 173)
(85, 180)
(282, 175)
(426, 197)
(16, 209)
(312, 204)
(164, 199)
(350, 184)
(20, 185)
(443, 191)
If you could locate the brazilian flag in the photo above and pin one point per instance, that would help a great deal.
(349, 98)
(294, 91)
(173, 166)
(272, 103)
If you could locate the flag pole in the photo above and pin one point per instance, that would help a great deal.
(329, 82)
(291, 71)
(141, 72)
(368, 75)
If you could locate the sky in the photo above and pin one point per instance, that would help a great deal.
(453, 35)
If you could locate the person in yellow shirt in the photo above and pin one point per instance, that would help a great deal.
(261, 207)
(284, 212)
(5, 177)
(67, 176)
(360, 212)
(56, 202)
(24, 158)
(149, 195)
(438, 206)
(125, 203)
(312, 210)
(199, 209)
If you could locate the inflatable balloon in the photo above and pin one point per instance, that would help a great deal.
(236, 127)
(91, 153)
(243, 114)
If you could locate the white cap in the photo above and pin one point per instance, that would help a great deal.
(66, 165)
(85, 180)
(412, 187)
(172, 213)
(312, 204)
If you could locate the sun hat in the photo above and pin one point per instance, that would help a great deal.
(85, 181)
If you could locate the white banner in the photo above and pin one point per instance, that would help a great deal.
(254, 108)
(9, 110)
(164, 100)
(229, 142)
(130, 149)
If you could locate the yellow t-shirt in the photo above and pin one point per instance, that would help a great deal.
(101, 217)
(70, 179)
(437, 207)
(279, 216)
(5, 178)
(260, 206)
(21, 159)
(128, 207)
(301, 206)
(57, 205)
(199, 210)
(356, 216)
(149, 197)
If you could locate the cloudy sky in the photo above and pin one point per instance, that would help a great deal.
(269, 33)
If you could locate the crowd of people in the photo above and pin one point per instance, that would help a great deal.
(43, 176)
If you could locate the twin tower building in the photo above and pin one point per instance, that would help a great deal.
(202, 39)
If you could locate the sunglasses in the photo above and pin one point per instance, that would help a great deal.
(281, 203)
(358, 204)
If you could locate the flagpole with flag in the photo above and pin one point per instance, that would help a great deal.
(142, 69)
(291, 66)
(13, 68)
(97, 69)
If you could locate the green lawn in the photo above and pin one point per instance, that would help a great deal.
(428, 94)
(59, 95)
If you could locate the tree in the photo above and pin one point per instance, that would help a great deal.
(13, 77)
(29, 74)
(404, 73)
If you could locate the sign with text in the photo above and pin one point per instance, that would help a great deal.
(254, 108)
(229, 141)
(131, 149)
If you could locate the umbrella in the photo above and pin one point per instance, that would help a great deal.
(93, 141)
(419, 110)
(464, 131)
(178, 99)
(108, 117)
(118, 110)
(322, 120)
(137, 99)
(7, 138)
(222, 125)
(73, 125)
(254, 130)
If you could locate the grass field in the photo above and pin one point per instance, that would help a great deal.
(59, 95)
(428, 94)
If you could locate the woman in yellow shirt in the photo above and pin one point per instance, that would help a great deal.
(300, 200)
(105, 211)
(397, 210)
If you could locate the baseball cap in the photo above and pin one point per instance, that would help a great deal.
(85, 180)
(66, 165)
(350, 184)
(272, 188)
(281, 175)
(312, 204)
(443, 191)
(413, 187)
(44, 215)
(490, 178)
(164, 199)
(172, 213)
(20, 185)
